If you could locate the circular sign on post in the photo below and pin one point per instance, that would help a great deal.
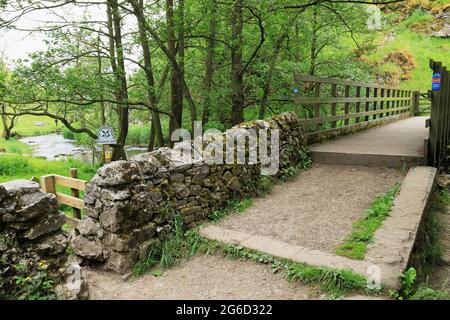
(105, 135)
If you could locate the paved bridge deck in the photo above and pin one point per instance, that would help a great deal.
(392, 145)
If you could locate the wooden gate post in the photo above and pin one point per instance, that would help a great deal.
(48, 184)
(75, 193)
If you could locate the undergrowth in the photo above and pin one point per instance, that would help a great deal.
(355, 244)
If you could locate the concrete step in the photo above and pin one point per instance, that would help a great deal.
(372, 160)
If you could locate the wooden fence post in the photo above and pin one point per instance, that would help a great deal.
(358, 104)
(366, 118)
(317, 86)
(75, 193)
(334, 94)
(346, 104)
(48, 184)
(415, 103)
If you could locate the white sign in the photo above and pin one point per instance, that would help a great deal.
(105, 135)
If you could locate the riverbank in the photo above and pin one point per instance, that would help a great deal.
(17, 163)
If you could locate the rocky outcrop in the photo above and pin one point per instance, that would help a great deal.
(438, 25)
(130, 204)
(33, 246)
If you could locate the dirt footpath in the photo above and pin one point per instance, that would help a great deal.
(317, 209)
(202, 277)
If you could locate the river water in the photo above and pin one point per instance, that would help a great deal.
(56, 147)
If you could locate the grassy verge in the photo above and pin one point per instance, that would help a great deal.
(355, 244)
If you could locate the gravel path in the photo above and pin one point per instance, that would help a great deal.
(202, 277)
(317, 209)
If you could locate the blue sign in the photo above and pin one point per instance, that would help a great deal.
(295, 90)
(436, 84)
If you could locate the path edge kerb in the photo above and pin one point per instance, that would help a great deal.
(394, 240)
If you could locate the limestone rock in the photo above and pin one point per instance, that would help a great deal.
(122, 262)
(117, 173)
(73, 285)
(53, 245)
(54, 222)
(90, 249)
(89, 227)
(30, 235)
(115, 195)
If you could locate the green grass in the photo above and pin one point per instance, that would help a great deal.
(233, 206)
(421, 46)
(15, 166)
(355, 244)
(14, 146)
(26, 126)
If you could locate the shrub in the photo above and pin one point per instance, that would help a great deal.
(66, 133)
(138, 135)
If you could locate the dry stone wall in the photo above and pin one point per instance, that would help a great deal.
(131, 204)
(32, 243)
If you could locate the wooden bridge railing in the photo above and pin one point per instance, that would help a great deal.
(439, 122)
(341, 106)
(49, 183)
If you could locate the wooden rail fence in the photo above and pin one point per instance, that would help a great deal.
(49, 183)
(439, 122)
(424, 104)
(341, 106)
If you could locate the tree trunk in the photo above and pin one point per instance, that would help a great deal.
(120, 74)
(176, 99)
(313, 53)
(237, 81)
(268, 80)
(298, 54)
(273, 61)
(209, 64)
(99, 72)
(156, 134)
(6, 131)
(7, 128)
